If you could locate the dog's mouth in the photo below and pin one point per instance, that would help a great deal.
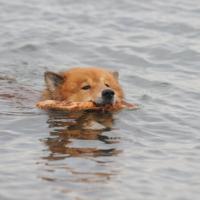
(104, 102)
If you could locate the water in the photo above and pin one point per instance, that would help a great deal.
(152, 153)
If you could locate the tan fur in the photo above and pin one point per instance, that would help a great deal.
(76, 78)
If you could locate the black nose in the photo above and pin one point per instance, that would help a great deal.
(108, 93)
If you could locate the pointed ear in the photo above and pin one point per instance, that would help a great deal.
(53, 80)
(115, 74)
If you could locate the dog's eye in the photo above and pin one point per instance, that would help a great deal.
(86, 87)
(107, 85)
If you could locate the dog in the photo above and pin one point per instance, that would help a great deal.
(83, 84)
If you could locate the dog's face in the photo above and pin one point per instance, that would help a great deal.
(84, 84)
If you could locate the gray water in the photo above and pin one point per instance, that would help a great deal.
(150, 153)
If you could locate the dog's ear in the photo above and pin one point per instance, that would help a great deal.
(53, 80)
(115, 74)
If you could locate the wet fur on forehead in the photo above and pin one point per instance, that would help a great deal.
(83, 74)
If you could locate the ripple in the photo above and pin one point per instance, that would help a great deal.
(29, 47)
(141, 154)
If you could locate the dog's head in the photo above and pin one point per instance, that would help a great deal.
(84, 84)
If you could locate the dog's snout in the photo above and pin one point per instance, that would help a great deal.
(107, 97)
(108, 93)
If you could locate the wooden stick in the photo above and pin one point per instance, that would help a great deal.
(78, 106)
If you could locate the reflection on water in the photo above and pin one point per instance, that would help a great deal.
(86, 129)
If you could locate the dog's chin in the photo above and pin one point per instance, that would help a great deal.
(103, 102)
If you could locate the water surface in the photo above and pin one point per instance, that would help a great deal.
(152, 153)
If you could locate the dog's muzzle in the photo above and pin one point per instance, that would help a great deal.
(107, 96)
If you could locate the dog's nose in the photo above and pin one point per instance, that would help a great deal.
(108, 93)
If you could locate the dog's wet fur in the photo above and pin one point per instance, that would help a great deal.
(83, 84)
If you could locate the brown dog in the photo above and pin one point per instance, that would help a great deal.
(83, 84)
